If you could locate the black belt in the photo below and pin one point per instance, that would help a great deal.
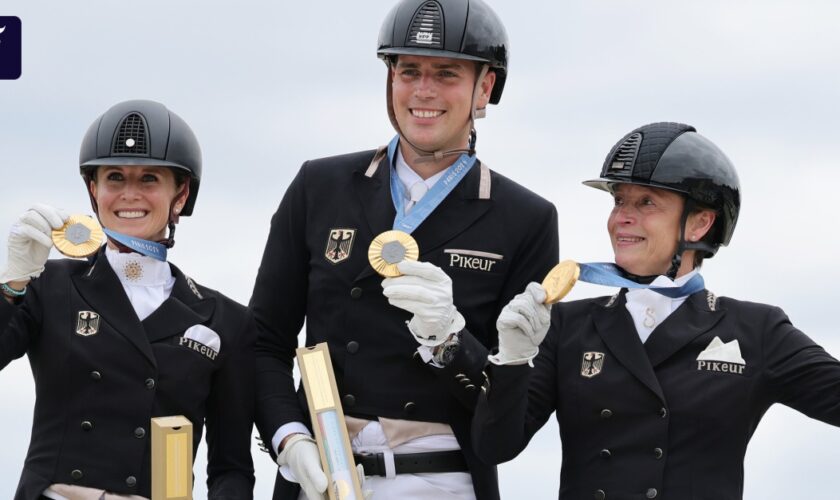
(413, 463)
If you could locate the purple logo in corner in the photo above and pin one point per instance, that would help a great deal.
(10, 36)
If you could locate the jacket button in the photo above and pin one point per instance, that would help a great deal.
(355, 292)
(76, 474)
(150, 383)
(352, 347)
(464, 381)
(657, 452)
(460, 376)
(469, 387)
(131, 481)
(605, 453)
(139, 433)
(87, 425)
(663, 412)
(95, 375)
(606, 413)
(600, 495)
(349, 400)
(410, 407)
(651, 493)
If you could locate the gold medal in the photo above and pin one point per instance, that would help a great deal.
(389, 249)
(560, 281)
(80, 236)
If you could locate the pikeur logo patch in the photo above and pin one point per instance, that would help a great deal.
(339, 244)
(720, 357)
(472, 259)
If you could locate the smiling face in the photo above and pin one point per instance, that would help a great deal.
(432, 98)
(136, 200)
(644, 228)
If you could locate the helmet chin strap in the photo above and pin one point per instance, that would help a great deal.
(174, 216)
(424, 155)
(682, 245)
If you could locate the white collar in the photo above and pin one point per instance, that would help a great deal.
(409, 177)
(138, 270)
(649, 308)
(666, 282)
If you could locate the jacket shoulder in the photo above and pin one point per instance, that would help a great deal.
(747, 308)
(504, 187)
(339, 164)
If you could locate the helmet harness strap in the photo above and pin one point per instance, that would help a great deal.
(174, 216)
(425, 155)
(676, 262)
(683, 245)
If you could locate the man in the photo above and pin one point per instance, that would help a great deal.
(408, 372)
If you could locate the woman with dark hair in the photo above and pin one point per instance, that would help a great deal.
(125, 336)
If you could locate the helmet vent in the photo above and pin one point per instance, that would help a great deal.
(132, 137)
(625, 156)
(427, 27)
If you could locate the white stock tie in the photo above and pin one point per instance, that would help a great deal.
(415, 193)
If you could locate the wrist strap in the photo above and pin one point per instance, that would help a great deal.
(11, 292)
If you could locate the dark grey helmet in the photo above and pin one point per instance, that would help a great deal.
(674, 156)
(458, 29)
(143, 132)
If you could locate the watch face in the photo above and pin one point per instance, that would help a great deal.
(447, 351)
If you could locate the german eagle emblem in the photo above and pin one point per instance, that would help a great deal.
(592, 364)
(339, 244)
(87, 324)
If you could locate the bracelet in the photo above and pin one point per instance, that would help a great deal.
(11, 292)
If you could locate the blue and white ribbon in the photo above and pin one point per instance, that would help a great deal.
(419, 212)
(605, 273)
(148, 248)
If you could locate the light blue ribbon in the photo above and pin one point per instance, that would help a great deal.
(148, 248)
(451, 177)
(605, 273)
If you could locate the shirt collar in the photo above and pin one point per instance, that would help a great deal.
(408, 177)
(138, 270)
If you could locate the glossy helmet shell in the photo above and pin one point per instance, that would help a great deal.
(457, 29)
(674, 156)
(143, 133)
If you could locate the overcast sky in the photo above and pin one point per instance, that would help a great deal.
(267, 85)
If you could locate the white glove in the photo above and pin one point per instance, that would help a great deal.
(301, 454)
(522, 326)
(30, 241)
(425, 290)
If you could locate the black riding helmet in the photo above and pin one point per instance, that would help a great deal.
(456, 29)
(143, 132)
(675, 157)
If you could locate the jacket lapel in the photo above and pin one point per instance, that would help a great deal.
(455, 214)
(374, 194)
(180, 311)
(101, 289)
(685, 324)
(615, 326)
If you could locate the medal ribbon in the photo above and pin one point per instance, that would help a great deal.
(148, 248)
(451, 177)
(605, 273)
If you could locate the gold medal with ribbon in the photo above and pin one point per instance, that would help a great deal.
(560, 280)
(389, 249)
(81, 236)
